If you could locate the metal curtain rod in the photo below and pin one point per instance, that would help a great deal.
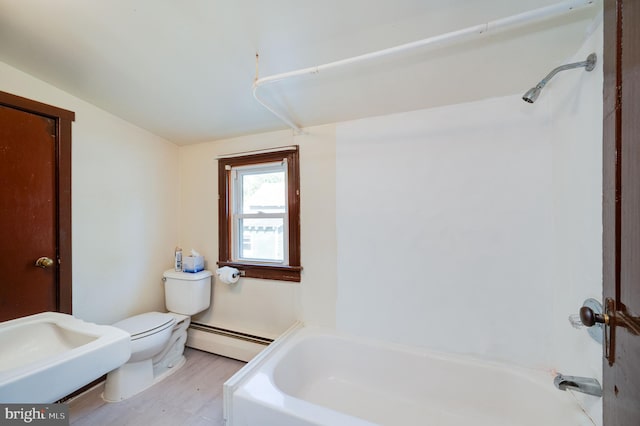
(509, 22)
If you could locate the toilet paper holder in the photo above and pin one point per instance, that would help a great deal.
(239, 274)
(229, 275)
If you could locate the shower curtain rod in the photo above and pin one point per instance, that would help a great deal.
(509, 22)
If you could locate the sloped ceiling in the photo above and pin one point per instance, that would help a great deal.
(184, 69)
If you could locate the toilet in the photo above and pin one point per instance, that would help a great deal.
(158, 339)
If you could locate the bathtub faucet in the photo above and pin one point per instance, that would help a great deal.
(580, 384)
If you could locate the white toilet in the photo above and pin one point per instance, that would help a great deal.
(158, 339)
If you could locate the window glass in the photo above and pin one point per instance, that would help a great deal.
(263, 192)
(262, 240)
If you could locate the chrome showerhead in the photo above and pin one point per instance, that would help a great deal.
(533, 93)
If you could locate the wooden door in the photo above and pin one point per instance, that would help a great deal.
(621, 211)
(28, 212)
(35, 190)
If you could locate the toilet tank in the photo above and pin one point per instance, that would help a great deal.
(187, 293)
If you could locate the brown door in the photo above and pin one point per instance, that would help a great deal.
(34, 208)
(621, 214)
(28, 212)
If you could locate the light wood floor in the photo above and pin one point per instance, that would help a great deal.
(192, 396)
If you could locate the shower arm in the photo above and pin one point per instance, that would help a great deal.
(588, 64)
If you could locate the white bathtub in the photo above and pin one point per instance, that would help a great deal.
(314, 376)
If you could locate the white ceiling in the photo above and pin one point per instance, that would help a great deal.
(184, 69)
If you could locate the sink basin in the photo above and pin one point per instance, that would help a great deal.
(46, 356)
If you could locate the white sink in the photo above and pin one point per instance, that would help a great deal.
(47, 356)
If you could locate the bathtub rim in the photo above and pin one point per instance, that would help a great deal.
(300, 332)
(234, 382)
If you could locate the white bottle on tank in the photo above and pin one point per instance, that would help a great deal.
(177, 266)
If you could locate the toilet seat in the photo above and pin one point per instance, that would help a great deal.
(147, 324)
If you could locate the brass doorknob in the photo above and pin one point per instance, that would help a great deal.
(44, 262)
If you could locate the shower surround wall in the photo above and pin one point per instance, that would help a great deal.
(577, 171)
(476, 228)
(446, 230)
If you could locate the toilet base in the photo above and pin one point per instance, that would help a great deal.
(132, 378)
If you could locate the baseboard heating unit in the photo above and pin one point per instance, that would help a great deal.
(229, 343)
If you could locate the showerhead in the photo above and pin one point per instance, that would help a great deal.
(533, 93)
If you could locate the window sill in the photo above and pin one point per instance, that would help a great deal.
(267, 272)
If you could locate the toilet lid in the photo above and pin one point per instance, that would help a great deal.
(145, 324)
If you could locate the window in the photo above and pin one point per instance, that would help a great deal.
(259, 214)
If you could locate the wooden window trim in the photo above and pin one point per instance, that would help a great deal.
(290, 272)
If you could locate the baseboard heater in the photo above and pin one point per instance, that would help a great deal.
(229, 343)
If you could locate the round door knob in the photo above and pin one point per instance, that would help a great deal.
(44, 262)
(590, 318)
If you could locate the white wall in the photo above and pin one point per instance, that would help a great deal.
(128, 214)
(266, 307)
(124, 206)
(577, 171)
(475, 228)
(445, 229)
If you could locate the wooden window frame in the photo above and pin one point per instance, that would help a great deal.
(290, 272)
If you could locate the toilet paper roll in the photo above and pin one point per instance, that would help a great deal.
(228, 275)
